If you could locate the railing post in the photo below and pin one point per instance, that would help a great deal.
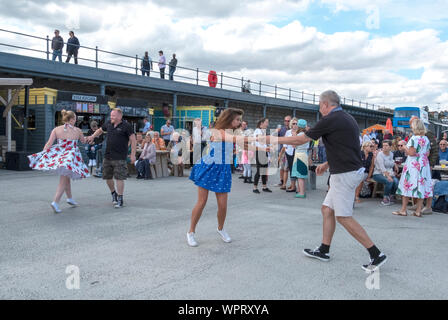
(360, 104)
(197, 76)
(276, 91)
(221, 80)
(289, 94)
(48, 48)
(259, 93)
(344, 100)
(302, 96)
(353, 101)
(96, 57)
(242, 83)
(314, 98)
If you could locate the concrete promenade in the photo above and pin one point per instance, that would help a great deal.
(140, 251)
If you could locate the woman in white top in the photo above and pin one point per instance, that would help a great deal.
(261, 157)
(288, 150)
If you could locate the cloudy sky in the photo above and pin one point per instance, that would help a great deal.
(386, 52)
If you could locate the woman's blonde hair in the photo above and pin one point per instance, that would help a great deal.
(67, 115)
(418, 128)
(365, 144)
(290, 122)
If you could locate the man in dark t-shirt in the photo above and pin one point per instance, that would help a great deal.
(119, 133)
(340, 134)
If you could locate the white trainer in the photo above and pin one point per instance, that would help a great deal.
(190, 239)
(90, 163)
(55, 207)
(93, 163)
(72, 202)
(224, 235)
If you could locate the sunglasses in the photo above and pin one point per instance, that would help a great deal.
(294, 124)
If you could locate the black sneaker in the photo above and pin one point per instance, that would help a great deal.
(316, 254)
(114, 197)
(375, 263)
(266, 190)
(119, 202)
(256, 191)
(241, 177)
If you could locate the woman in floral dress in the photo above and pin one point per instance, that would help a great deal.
(63, 158)
(416, 180)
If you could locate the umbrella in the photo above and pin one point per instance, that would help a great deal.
(389, 126)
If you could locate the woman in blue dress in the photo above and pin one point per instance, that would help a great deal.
(213, 172)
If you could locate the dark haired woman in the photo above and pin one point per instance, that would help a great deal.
(64, 158)
(261, 156)
(213, 173)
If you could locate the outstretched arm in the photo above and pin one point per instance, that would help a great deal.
(82, 138)
(294, 140)
(97, 133)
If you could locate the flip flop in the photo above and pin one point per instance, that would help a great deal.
(418, 216)
(398, 213)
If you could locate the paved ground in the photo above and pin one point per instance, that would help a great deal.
(140, 252)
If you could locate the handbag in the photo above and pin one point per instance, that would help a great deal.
(440, 205)
(366, 192)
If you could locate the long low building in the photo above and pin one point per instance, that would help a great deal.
(158, 92)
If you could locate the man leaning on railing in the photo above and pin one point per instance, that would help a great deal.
(57, 43)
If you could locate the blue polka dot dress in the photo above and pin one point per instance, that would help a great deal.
(213, 171)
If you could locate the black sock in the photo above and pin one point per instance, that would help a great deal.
(374, 252)
(324, 248)
(113, 192)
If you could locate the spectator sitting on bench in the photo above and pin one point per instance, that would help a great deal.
(175, 149)
(384, 172)
(147, 158)
(368, 162)
(158, 142)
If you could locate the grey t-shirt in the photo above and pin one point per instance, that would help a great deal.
(169, 129)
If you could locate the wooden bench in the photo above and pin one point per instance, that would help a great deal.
(378, 188)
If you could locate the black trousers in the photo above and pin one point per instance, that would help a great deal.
(162, 73)
(69, 56)
(261, 158)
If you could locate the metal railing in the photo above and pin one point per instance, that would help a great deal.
(108, 60)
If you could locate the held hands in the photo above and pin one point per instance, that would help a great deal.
(89, 139)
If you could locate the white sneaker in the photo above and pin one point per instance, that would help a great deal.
(225, 236)
(72, 202)
(55, 207)
(90, 163)
(93, 163)
(190, 239)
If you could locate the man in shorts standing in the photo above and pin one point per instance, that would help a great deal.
(119, 133)
(339, 132)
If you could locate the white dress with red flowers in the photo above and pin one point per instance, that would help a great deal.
(416, 180)
(63, 158)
